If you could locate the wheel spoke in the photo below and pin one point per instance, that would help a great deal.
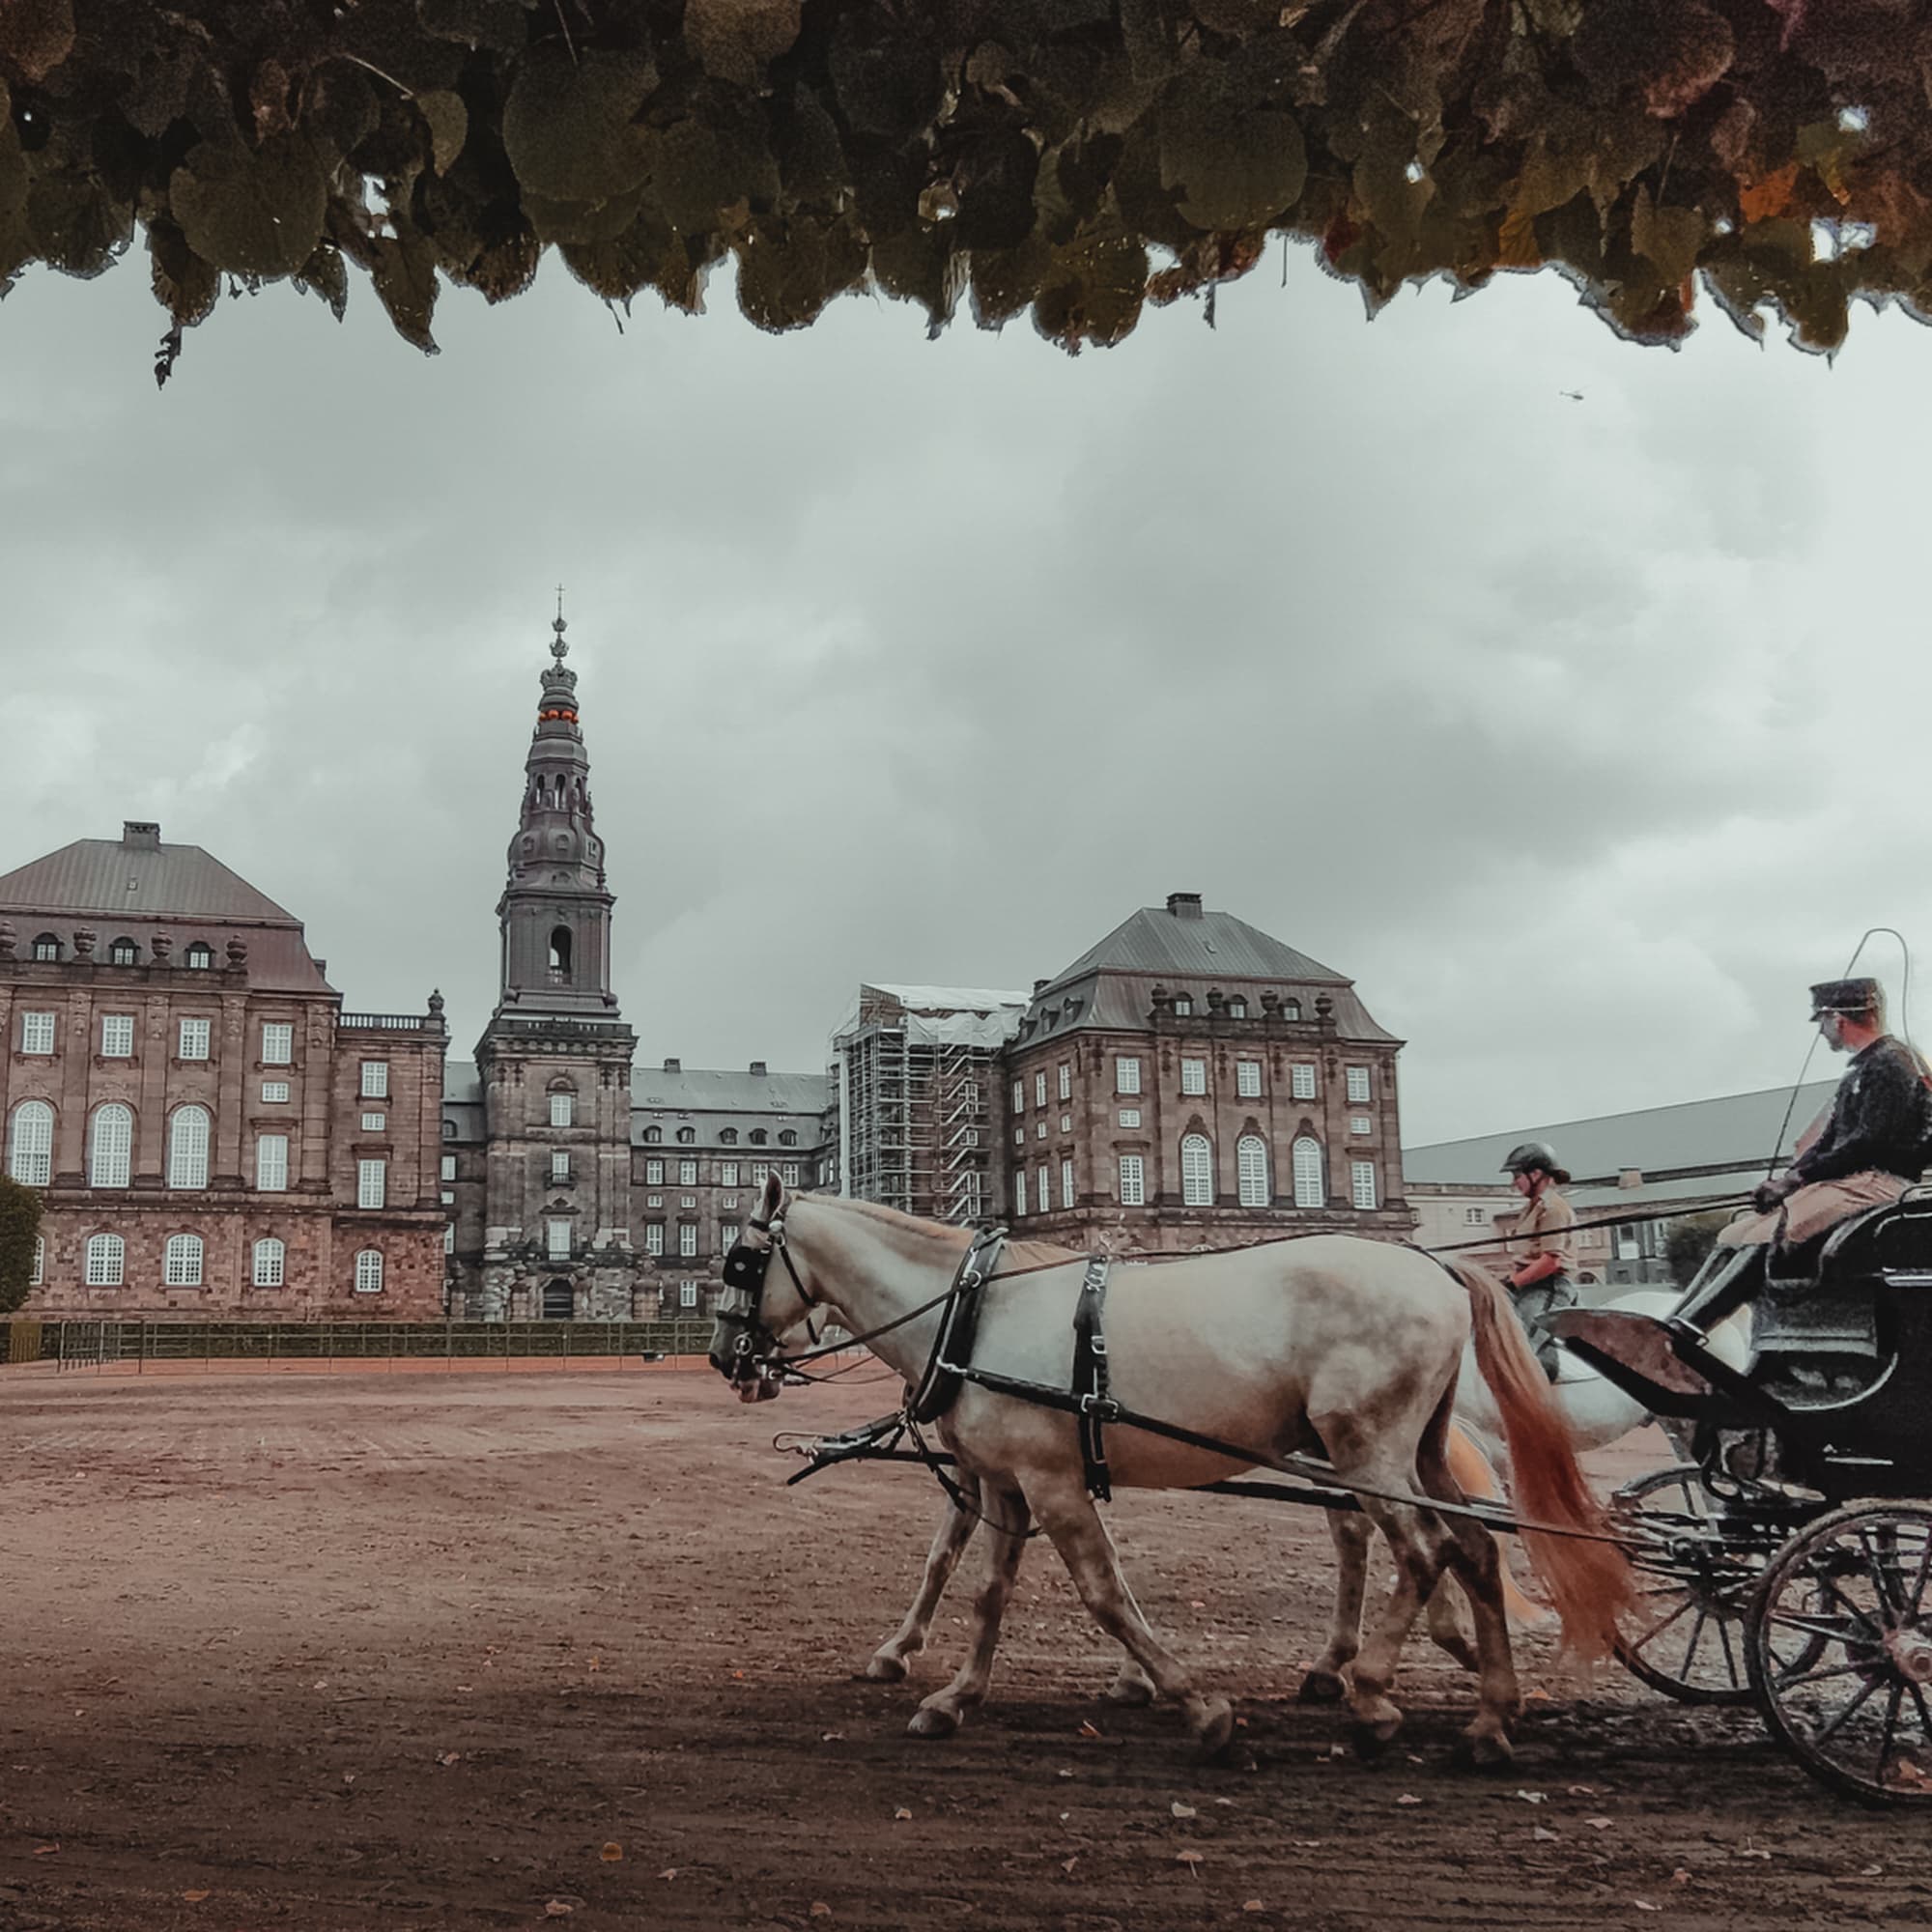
(1798, 1676)
(1732, 1666)
(1883, 1584)
(1896, 1698)
(1663, 1624)
(1696, 1636)
(1846, 1714)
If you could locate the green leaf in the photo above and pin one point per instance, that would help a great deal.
(403, 269)
(788, 273)
(325, 274)
(74, 224)
(448, 122)
(501, 25)
(185, 285)
(1670, 237)
(1092, 292)
(36, 36)
(735, 39)
(1233, 164)
(258, 213)
(569, 124)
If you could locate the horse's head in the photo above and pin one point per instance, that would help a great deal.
(761, 1306)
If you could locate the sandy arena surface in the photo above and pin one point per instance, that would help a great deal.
(328, 1653)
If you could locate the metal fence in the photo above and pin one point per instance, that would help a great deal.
(78, 1343)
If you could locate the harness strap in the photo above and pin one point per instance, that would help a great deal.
(951, 1354)
(1090, 1377)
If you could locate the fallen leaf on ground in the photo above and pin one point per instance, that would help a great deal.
(1532, 1797)
(820, 1910)
(1644, 1905)
(1088, 1728)
(1195, 1604)
(1182, 1810)
(1536, 1696)
(1679, 1876)
(1585, 1790)
(1545, 1835)
(1253, 1905)
(611, 1852)
(448, 1757)
(902, 1812)
(1872, 1871)
(45, 1850)
(1188, 1859)
(1228, 1801)
(1063, 1774)
(670, 1871)
(832, 1738)
(556, 1908)
(1066, 1865)
(1409, 1798)
(194, 1898)
(1599, 1824)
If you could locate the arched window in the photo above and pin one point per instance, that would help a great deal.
(727, 1137)
(562, 1110)
(188, 1147)
(1251, 1163)
(1290, 1009)
(124, 952)
(686, 1136)
(788, 1138)
(653, 1135)
(1309, 1191)
(1197, 1172)
(110, 1147)
(369, 1271)
(559, 956)
(47, 946)
(757, 1137)
(182, 1263)
(271, 1257)
(1183, 1006)
(1236, 1009)
(201, 955)
(449, 1130)
(29, 1150)
(106, 1261)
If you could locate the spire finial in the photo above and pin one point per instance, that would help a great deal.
(559, 649)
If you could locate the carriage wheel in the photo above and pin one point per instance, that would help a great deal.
(1686, 1635)
(1840, 1650)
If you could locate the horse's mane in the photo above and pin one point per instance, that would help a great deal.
(945, 1234)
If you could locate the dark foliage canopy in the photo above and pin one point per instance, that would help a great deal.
(1071, 159)
(19, 1229)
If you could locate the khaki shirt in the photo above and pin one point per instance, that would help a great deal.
(1543, 1227)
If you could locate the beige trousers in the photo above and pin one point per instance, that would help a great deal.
(1812, 1208)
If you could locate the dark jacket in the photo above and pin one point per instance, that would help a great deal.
(1881, 1118)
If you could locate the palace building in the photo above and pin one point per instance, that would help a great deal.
(214, 1135)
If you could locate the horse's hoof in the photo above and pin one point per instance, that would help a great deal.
(1216, 1730)
(1131, 1691)
(1321, 1686)
(932, 1720)
(1487, 1751)
(1371, 1740)
(886, 1668)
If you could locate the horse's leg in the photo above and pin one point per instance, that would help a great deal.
(1069, 1518)
(1351, 1531)
(956, 1530)
(1004, 1510)
(1131, 1683)
(1479, 1570)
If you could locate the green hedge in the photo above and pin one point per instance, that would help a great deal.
(19, 1230)
(275, 1341)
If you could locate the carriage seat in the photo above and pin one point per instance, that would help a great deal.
(1821, 1296)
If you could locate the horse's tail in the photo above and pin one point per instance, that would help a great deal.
(1588, 1579)
(1475, 1478)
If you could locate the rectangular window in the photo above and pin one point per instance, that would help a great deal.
(1248, 1079)
(37, 1033)
(1065, 1080)
(1040, 1130)
(278, 1042)
(447, 1170)
(1194, 1076)
(788, 1173)
(1019, 1137)
(1019, 1095)
(1045, 1181)
(1019, 1194)
(374, 1124)
(272, 1163)
(1130, 1116)
(654, 1237)
(369, 1272)
(686, 1173)
(1039, 1088)
(559, 1165)
(1127, 1075)
(728, 1173)
(687, 1294)
(371, 1182)
(1362, 1182)
(563, 1110)
(654, 1201)
(728, 1235)
(1133, 1182)
(1473, 1217)
(39, 1261)
(761, 1171)
(1066, 1183)
(180, 1264)
(194, 1040)
(375, 1080)
(274, 1091)
(117, 1036)
(269, 1259)
(449, 1238)
(1066, 1124)
(1301, 1080)
(687, 1201)
(654, 1173)
(106, 1257)
(1358, 1085)
(1361, 1124)
(687, 1238)
(556, 1243)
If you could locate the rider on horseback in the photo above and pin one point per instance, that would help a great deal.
(1540, 1246)
(1866, 1149)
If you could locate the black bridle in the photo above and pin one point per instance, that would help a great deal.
(751, 1354)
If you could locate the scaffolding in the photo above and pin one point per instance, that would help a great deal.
(916, 1068)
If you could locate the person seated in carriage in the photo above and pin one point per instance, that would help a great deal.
(1868, 1146)
(1538, 1247)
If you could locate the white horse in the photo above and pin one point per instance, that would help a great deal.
(1330, 1343)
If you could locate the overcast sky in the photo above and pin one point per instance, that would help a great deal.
(1581, 734)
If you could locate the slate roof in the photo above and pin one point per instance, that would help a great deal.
(1735, 1132)
(106, 877)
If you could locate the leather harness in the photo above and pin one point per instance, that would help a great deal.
(1090, 1377)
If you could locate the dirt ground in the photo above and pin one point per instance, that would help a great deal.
(338, 1652)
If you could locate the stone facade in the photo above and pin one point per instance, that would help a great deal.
(181, 1081)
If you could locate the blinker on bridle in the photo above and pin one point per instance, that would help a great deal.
(754, 1346)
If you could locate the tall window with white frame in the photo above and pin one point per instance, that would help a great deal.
(1043, 1181)
(117, 1035)
(559, 1166)
(1197, 1172)
(1066, 1183)
(558, 1238)
(1019, 1193)
(271, 1257)
(1301, 1080)
(188, 1147)
(372, 1183)
(1251, 1161)
(369, 1271)
(1359, 1086)
(562, 1110)
(1133, 1180)
(1362, 1184)
(30, 1143)
(106, 1261)
(1309, 1191)
(278, 1042)
(191, 1040)
(1193, 1076)
(37, 1033)
(110, 1146)
(1248, 1079)
(272, 1163)
(40, 1273)
(375, 1080)
(181, 1261)
(1126, 1074)
(1065, 1080)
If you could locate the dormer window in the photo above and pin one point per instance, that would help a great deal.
(787, 1138)
(124, 952)
(1290, 1009)
(47, 947)
(686, 1136)
(1236, 1009)
(1182, 1006)
(653, 1135)
(758, 1137)
(200, 956)
(727, 1137)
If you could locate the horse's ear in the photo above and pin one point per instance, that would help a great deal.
(772, 1203)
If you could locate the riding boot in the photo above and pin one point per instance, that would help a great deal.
(1727, 1280)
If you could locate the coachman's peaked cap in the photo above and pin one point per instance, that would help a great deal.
(1846, 996)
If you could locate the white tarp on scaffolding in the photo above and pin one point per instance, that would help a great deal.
(941, 1015)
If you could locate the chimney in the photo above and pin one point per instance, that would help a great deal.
(674, 1067)
(1630, 1176)
(758, 1068)
(1184, 905)
(140, 835)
